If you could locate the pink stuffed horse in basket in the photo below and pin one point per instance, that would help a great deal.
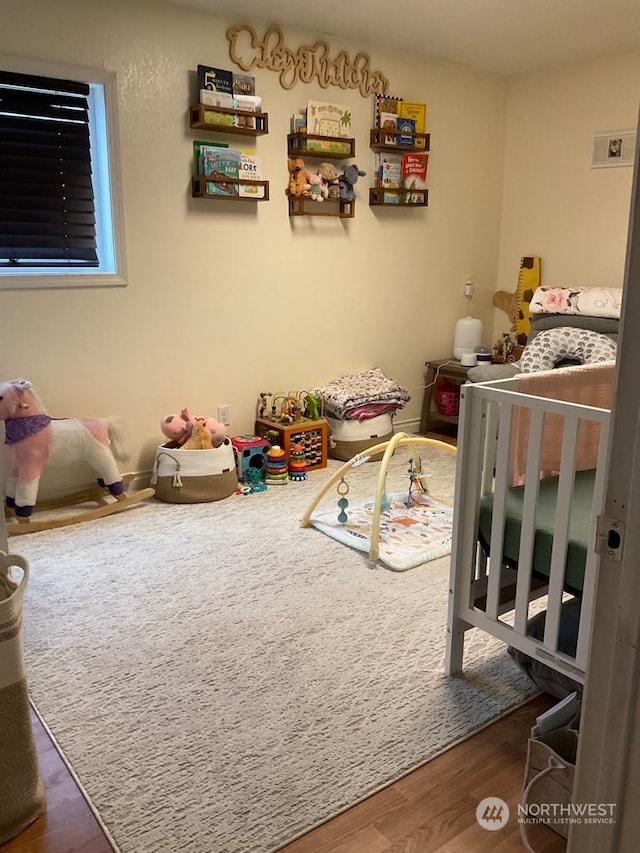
(35, 440)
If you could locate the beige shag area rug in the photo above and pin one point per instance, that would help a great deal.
(221, 680)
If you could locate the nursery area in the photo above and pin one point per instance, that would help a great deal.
(317, 412)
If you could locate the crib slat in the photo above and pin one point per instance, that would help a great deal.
(528, 524)
(465, 523)
(561, 529)
(498, 518)
(489, 443)
(589, 585)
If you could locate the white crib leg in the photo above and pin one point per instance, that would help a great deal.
(455, 646)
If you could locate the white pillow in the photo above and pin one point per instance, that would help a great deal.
(554, 345)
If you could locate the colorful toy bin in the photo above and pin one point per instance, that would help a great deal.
(194, 476)
(251, 453)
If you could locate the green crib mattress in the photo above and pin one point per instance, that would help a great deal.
(545, 524)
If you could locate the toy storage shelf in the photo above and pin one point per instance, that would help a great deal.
(199, 188)
(378, 137)
(203, 117)
(302, 206)
(312, 435)
(394, 197)
(325, 147)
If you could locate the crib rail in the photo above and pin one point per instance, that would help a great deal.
(506, 438)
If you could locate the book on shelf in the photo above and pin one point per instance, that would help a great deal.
(328, 119)
(250, 169)
(385, 104)
(216, 79)
(218, 166)
(389, 121)
(298, 124)
(248, 103)
(406, 128)
(414, 176)
(243, 84)
(211, 98)
(200, 148)
(388, 169)
(326, 146)
(211, 116)
(417, 112)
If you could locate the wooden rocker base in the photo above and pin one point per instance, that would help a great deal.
(109, 506)
(93, 493)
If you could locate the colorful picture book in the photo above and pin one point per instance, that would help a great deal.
(328, 119)
(388, 169)
(389, 121)
(250, 169)
(219, 165)
(417, 112)
(406, 128)
(414, 176)
(244, 84)
(211, 117)
(298, 124)
(217, 79)
(216, 99)
(403, 174)
(385, 104)
(200, 148)
(248, 103)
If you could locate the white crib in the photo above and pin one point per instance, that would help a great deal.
(516, 445)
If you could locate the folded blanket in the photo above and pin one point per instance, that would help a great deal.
(357, 390)
(593, 301)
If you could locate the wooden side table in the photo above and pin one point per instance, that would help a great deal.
(431, 420)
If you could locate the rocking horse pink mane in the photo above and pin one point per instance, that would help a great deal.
(36, 440)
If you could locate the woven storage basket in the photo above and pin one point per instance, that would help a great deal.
(194, 476)
(348, 437)
(21, 788)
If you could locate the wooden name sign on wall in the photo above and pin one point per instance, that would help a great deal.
(309, 62)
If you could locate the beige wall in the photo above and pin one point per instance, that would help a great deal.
(227, 300)
(555, 205)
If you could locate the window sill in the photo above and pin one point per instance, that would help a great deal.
(62, 281)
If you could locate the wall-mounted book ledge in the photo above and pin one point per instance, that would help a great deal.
(301, 206)
(225, 120)
(311, 145)
(397, 197)
(229, 189)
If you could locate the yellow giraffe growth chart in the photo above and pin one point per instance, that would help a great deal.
(516, 305)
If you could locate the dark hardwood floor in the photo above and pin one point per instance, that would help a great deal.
(431, 809)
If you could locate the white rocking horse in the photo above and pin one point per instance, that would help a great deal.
(36, 440)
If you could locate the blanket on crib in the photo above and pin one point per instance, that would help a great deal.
(587, 385)
(350, 395)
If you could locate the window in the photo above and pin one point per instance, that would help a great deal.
(60, 219)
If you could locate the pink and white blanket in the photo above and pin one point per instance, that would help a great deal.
(590, 301)
(361, 395)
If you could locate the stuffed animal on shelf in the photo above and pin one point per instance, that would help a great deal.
(347, 181)
(298, 183)
(330, 174)
(316, 187)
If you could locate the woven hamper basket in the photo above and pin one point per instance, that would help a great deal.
(348, 437)
(194, 476)
(21, 788)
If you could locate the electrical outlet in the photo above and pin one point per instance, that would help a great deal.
(468, 286)
(224, 414)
